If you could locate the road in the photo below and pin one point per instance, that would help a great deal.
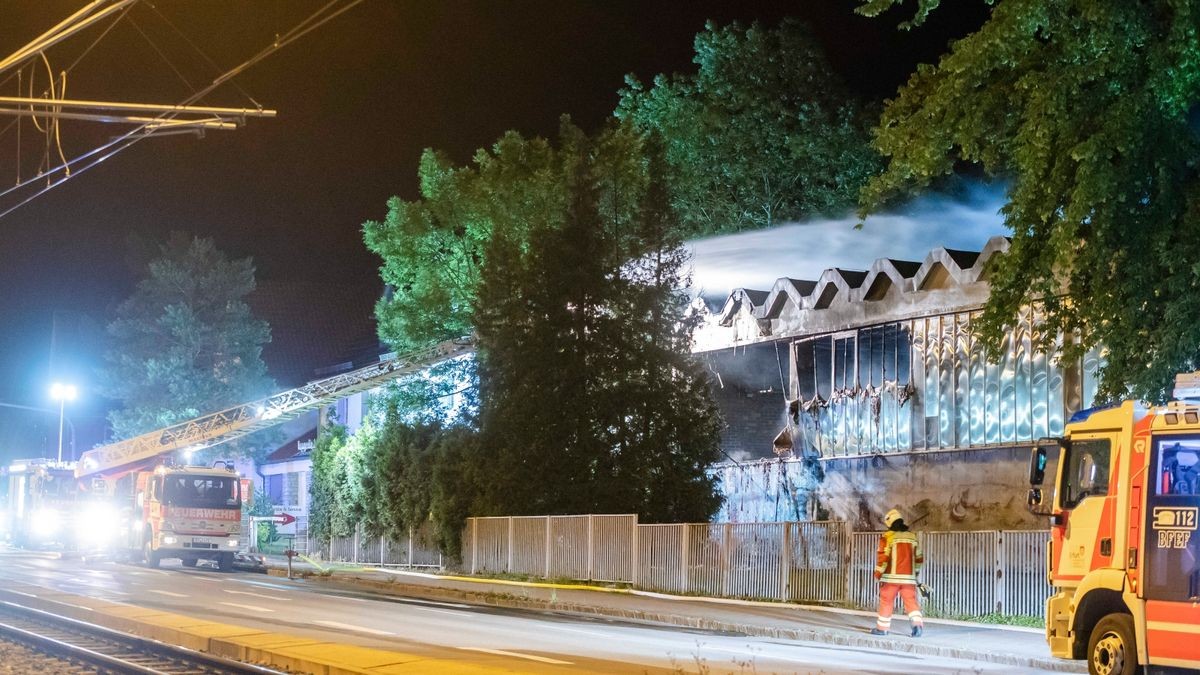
(522, 640)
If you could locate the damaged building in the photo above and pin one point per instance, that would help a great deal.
(862, 390)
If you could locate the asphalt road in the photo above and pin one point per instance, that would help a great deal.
(522, 640)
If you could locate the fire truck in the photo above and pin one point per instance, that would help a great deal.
(44, 508)
(170, 510)
(1123, 557)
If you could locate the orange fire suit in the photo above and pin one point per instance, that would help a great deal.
(898, 559)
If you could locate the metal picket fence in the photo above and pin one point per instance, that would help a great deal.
(417, 549)
(825, 562)
(972, 573)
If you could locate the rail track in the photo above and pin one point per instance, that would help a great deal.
(107, 650)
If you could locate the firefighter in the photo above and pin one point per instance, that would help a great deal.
(898, 559)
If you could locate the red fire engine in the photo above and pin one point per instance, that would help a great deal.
(1123, 557)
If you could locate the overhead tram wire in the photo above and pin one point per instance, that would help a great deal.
(143, 131)
(78, 59)
(216, 68)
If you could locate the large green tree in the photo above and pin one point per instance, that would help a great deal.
(590, 401)
(1089, 108)
(185, 343)
(762, 133)
(432, 248)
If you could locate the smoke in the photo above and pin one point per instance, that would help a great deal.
(845, 498)
(965, 220)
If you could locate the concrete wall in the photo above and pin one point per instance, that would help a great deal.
(976, 489)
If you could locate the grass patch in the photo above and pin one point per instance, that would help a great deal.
(1003, 619)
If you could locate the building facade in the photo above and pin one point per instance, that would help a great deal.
(864, 390)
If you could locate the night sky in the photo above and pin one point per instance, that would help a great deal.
(358, 100)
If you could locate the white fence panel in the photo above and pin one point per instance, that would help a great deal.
(415, 549)
(569, 547)
(527, 546)
(863, 589)
(661, 557)
(705, 558)
(960, 567)
(613, 544)
(1024, 573)
(370, 549)
(754, 558)
(817, 558)
(489, 552)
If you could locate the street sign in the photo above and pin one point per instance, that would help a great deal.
(285, 523)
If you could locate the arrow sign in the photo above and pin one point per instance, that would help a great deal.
(284, 518)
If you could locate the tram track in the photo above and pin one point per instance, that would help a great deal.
(107, 650)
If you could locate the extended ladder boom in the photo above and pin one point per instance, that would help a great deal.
(248, 418)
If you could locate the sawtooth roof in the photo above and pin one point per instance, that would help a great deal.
(888, 287)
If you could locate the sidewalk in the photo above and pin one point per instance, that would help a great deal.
(1016, 646)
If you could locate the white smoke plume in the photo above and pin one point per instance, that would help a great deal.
(803, 250)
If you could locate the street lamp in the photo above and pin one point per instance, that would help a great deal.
(62, 393)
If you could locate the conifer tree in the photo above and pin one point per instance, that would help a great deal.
(185, 343)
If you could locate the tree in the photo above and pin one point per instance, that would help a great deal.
(185, 343)
(329, 513)
(762, 133)
(555, 245)
(1084, 105)
(590, 402)
(432, 249)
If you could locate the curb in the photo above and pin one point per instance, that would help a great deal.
(829, 637)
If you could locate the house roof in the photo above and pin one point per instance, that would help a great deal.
(291, 449)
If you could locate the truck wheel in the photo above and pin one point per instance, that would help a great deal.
(1112, 649)
(152, 558)
(225, 562)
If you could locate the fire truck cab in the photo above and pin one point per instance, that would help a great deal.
(190, 513)
(1123, 557)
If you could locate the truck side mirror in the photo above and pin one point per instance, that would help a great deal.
(1037, 466)
(1034, 499)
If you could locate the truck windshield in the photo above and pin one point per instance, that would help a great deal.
(1086, 472)
(206, 492)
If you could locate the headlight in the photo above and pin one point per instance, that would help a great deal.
(97, 523)
(45, 522)
(168, 540)
(232, 543)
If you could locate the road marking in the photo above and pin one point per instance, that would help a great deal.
(253, 608)
(415, 601)
(28, 595)
(170, 593)
(501, 652)
(263, 584)
(257, 595)
(593, 633)
(349, 626)
(436, 611)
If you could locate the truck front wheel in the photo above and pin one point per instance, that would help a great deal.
(1112, 649)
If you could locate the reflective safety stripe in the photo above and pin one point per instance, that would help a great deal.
(1176, 663)
(1172, 627)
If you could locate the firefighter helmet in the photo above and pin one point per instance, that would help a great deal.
(891, 517)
